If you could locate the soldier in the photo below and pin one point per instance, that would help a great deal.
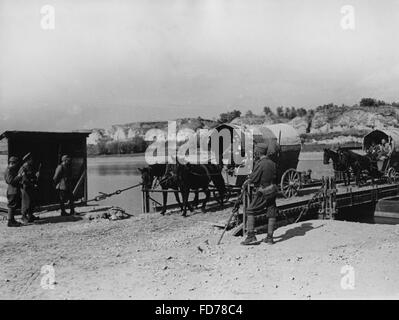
(385, 153)
(263, 177)
(273, 150)
(13, 190)
(63, 181)
(29, 180)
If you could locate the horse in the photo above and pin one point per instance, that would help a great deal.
(359, 163)
(339, 164)
(198, 177)
(166, 180)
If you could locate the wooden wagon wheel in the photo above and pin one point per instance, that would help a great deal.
(391, 175)
(290, 183)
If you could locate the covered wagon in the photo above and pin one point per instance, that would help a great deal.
(287, 158)
(390, 167)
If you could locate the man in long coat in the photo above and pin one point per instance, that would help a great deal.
(13, 181)
(63, 181)
(263, 177)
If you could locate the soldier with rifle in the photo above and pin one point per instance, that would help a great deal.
(13, 190)
(29, 182)
(63, 181)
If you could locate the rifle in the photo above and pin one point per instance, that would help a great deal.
(234, 212)
(38, 170)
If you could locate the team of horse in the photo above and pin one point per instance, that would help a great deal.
(347, 161)
(183, 178)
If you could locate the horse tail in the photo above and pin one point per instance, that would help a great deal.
(208, 174)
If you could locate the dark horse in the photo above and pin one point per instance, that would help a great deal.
(359, 163)
(166, 179)
(198, 177)
(339, 164)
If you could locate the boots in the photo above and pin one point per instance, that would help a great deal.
(270, 230)
(25, 220)
(71, 205)
(32, 218)
(62, 208)
(251, 238)
(269, 239)
(13, 223)
(11, 220)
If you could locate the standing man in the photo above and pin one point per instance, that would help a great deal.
(385, 153)
(373, 151)
(29, 181)
(63, 181)
(13, 190)
(264, 178)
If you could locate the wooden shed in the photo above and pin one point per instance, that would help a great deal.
(47, 149)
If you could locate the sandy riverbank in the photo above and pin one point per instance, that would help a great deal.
(149, 256)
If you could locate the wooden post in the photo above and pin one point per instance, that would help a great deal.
(322, 208)
(244, 213)
(146, 201)
(86, 182)
(142, 201)
(334, 198)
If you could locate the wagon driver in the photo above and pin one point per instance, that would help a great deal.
(264, 178)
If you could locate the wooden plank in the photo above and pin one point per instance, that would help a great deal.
(386, 214)
(79, 183)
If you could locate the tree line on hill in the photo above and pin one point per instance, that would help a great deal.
(289, 113)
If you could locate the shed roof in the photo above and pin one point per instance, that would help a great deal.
(10, 133)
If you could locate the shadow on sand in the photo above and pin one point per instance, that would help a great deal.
(58, 219)
(298, 231)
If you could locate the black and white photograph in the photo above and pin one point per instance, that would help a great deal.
(198, 150)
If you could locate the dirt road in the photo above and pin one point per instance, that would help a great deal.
(149, 256)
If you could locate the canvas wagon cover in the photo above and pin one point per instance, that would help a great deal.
(288, 137)
(379, 134)
(283, 133)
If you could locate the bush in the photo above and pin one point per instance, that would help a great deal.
(370, 102)
(134, 145)
(229, 116)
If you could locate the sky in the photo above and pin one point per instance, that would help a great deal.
(118, 61)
